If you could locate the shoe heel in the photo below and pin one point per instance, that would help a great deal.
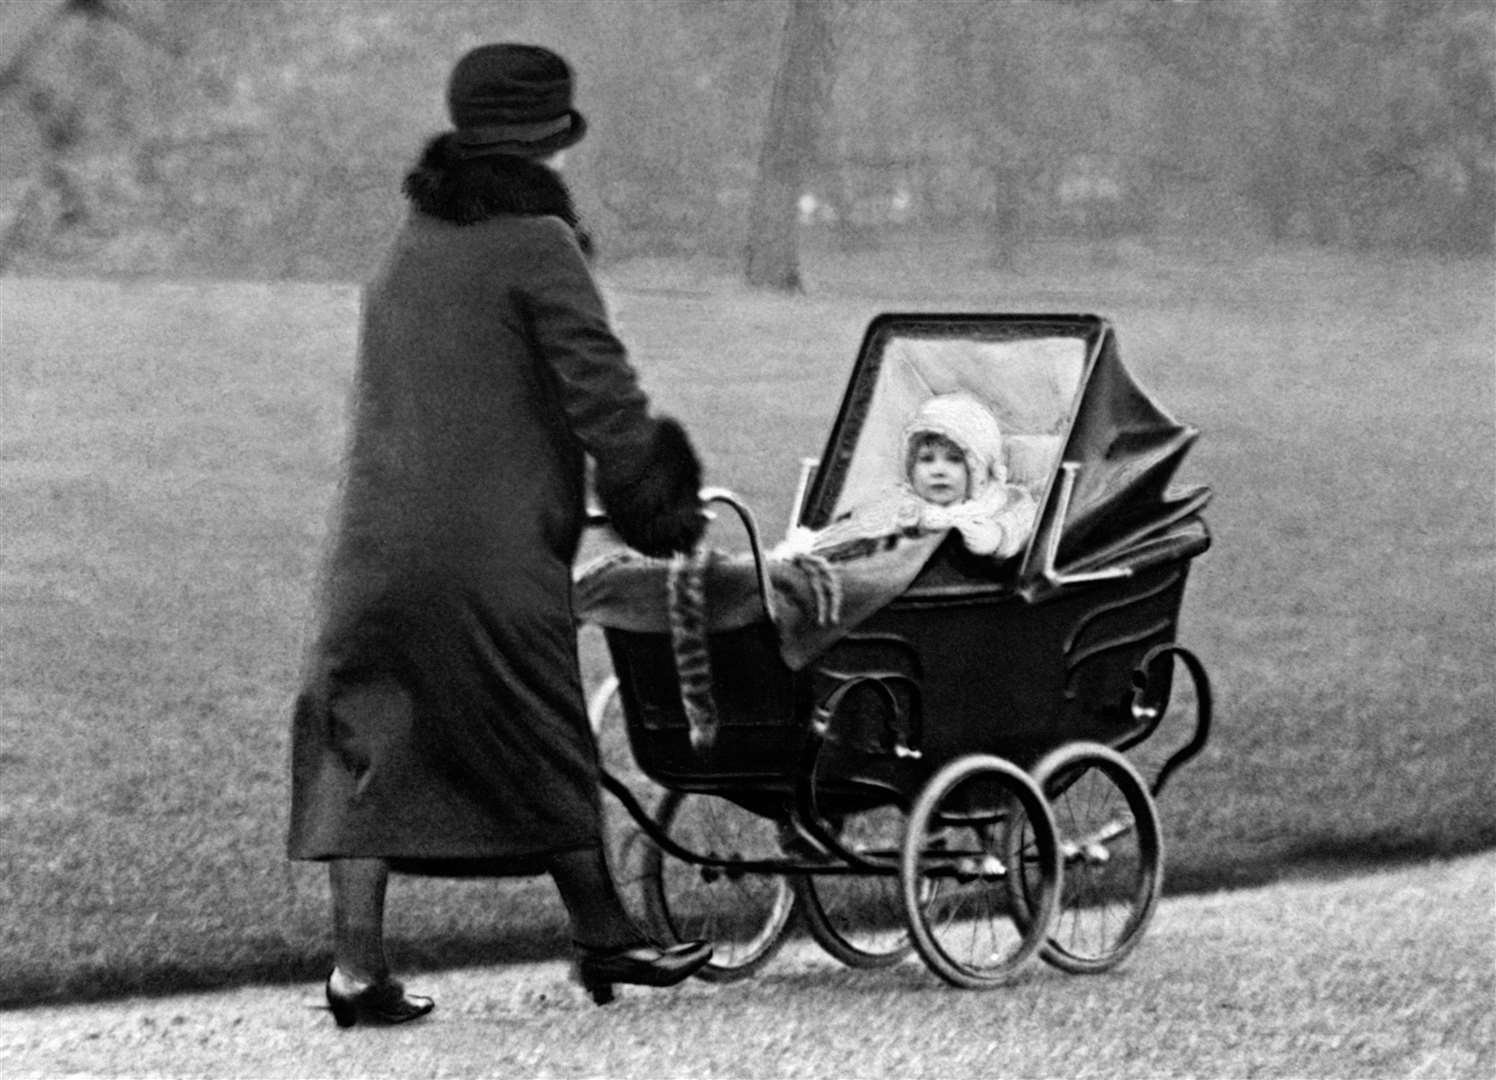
(383, 1002)
(344, 1012)
(601, 991)
(637, 965)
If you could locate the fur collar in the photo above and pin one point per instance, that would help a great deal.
(466, 191)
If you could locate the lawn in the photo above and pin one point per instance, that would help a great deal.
(170, 450)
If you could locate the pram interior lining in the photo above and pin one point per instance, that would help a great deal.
(1030, 385)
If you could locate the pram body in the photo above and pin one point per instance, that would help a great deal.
(928, 746)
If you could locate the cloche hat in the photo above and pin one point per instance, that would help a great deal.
(513, 99)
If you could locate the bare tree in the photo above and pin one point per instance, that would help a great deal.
(31, 31)
(797, 109)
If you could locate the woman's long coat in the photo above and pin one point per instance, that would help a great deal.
(440, 722)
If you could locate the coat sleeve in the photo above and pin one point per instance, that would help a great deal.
(648, 475)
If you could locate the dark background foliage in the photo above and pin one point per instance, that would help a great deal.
(249, 139)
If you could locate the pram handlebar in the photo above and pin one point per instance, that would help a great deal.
(755, 541)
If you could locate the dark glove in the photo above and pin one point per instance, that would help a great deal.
(659, 511)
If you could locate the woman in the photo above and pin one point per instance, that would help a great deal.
(440, 727)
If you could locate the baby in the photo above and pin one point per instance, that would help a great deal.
(953, 479)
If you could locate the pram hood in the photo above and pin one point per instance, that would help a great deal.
(1097, 452)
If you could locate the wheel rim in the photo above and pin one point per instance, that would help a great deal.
(859, 918)
(955, 874)
(743, 915)
(1113, 853)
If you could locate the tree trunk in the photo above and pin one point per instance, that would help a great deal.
(801, 98)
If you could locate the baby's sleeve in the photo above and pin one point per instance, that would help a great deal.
(1015, 521)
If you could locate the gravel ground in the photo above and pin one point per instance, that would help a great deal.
(1378, 975)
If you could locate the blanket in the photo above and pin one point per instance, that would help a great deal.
(817, 601)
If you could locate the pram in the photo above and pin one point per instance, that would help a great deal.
(960, 772)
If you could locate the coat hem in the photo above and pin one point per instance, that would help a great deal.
(519, 864)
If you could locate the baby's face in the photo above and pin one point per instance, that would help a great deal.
(938, 472)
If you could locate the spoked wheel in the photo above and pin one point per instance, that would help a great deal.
(744, 915)
(859, 918)
(956, 873)
(1113, 855)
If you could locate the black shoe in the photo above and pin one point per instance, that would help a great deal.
(383, 1002)
(638, 965)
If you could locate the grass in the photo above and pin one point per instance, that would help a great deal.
(169, 451)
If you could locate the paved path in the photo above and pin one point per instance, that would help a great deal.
(1375, 976)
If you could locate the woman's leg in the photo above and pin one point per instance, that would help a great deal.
(360, 987)
(598, 917)
(358, 891)
(609, 947)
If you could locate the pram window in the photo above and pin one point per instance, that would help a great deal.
(1030, 384)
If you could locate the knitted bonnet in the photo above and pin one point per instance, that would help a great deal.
(965, 421)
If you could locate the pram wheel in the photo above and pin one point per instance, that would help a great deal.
(858, 918)
(743, 914)
(957, 876)
(1113, 856)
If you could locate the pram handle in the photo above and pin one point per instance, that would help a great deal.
(596, 516)
(755, 542)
